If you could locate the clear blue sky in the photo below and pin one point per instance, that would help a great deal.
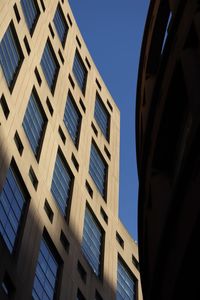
(113, 30)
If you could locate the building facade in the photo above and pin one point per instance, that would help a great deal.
(167, 129)
(60, 236)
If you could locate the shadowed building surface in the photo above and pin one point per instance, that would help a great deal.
(167, 129)
(60, 236)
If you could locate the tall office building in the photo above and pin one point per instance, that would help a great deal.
(167, 129)
(60, 236)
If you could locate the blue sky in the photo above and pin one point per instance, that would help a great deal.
(113, 30)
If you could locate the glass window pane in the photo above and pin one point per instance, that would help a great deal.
(92, 242)
(102, 117)
(49, 66)
(80, 71)
(60, 24)
(44, 286)
(61, 184)
(72, 119)
(10, 209)
(34, 124)
(31, 13)
(126, 285)
(98, 170)
(10, 55)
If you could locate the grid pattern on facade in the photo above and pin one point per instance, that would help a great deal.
(34, 123)
(102, 117)
(44, 287)
(50, 66)
(61, 184)
(31, 13)
(72, 119)
(12, 203)
(98, 170)
(92, 242)
(60, 24)
(126, 286)
(10, 55)
(80, 71)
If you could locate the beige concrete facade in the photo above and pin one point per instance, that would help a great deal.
(20, 266)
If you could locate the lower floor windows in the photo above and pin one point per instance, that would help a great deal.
(46, 274)
(12, 204)
(126, 283)
(62, 181)
(92, 242)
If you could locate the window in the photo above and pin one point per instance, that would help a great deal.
(102, 117)
(60, 24)
(126, 284)
(31, 13)
(34, 123)
(98, 170)
(92, 242)
(50, 66)
(61, 185)
(46, 274)
(80, 71)
(72, 119)
(12, 204)
(11, 56)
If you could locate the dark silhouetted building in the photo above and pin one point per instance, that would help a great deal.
(168, 151)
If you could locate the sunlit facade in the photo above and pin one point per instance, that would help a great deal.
(60, 236)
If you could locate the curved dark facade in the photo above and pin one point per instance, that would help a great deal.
(168, 151)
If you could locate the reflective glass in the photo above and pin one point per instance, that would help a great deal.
(92, 241)
(126, 286)
(98, 170)
(31, 13)
(80, 71)
(45, 275)
(101, 116)
(33, 124)
(72, 119)
(10, 56)
(12, 202)
(60, 24)
(61, 184)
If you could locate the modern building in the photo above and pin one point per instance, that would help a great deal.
(60, 236)
(167, 129)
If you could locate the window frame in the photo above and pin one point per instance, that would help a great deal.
(56, 256)
(81, 65)
(130, 273)
(18, 47)
(22, 220)
(102, 245)
(71, 188)
(78, 129)
(57, 66)
(59, 8)
(38, 12)
(45, 122)
(104, 194)
(108, 117)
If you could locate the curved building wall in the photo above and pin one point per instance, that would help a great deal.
(45, 65)
(167, 138)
